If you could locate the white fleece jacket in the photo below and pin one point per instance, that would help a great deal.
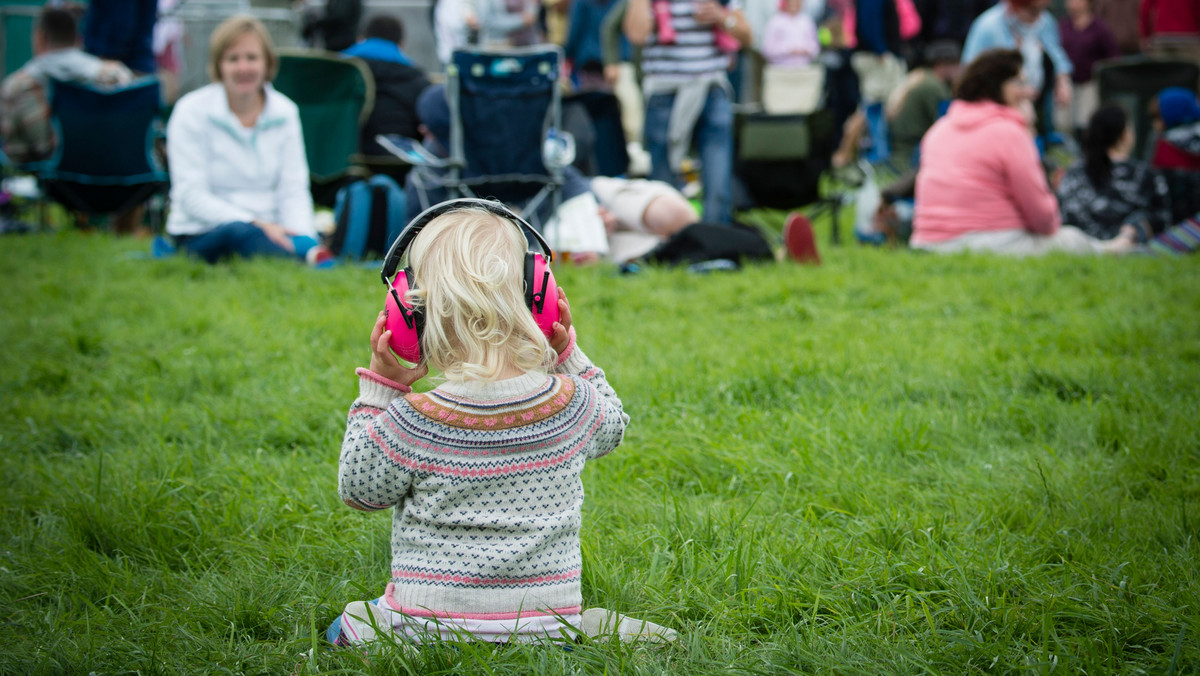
(223, 172)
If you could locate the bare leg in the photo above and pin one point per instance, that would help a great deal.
(669, 213)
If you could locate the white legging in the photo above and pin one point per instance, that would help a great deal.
(1068, 239)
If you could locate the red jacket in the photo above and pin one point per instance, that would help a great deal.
(1167, 156)
(1170, 17)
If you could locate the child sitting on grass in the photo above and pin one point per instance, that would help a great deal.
(483, 471)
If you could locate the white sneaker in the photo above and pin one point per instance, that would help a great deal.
(362, 622)
(597, 622)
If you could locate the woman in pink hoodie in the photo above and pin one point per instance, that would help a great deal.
(981, 186)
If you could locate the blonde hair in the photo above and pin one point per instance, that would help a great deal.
(468, 271)
(228, 33)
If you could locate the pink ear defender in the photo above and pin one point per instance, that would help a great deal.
(407, 324)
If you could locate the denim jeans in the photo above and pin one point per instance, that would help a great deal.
(713, 137)
(240, 238)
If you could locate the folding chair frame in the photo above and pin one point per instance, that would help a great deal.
(452, 169)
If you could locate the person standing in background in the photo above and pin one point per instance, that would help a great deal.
(687, 91)
(450, 29)
(122, 30)
(790, 38)
(336, 27)
(1122, 19)
(1170, 29)
(1086, 39)
(876, 56)
(503, 23)
(1026, 26)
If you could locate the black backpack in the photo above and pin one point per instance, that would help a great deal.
(701, 242)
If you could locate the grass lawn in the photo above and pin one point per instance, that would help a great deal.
(893, 463)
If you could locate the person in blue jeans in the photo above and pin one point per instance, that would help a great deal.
(685, 58)
(713, 136)
(239, 175)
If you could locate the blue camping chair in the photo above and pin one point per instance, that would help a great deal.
(105, 160)
(505, 138)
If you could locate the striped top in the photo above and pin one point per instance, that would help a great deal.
(694, 53)
(485, 481)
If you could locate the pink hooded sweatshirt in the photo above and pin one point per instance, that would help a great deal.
(980, 172)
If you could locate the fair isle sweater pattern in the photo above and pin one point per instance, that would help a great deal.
(485, 481)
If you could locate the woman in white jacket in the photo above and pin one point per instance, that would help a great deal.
(239, 177)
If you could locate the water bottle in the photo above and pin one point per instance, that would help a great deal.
(558, 150)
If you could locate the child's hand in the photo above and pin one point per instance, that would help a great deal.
(384, 363)
(560, 339)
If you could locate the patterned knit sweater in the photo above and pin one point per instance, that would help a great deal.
(485, 481)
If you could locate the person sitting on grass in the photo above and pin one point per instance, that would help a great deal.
(398, 83)
(1175, 113)
(914, 107)
(26, 131)
(981, 186)
(1108, 189)
(638, 215)
(239, 175)
(482, 473)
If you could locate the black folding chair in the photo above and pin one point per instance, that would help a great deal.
(105, 161)
(780, 160)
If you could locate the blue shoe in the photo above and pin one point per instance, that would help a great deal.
(161, 247)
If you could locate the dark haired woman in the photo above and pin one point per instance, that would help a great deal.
(981, 186)
(1108, 190)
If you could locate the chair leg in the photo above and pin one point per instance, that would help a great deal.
(83, 222)
(835, 233)
(129, 222)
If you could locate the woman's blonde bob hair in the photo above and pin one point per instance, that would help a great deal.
(468, 277)
(228, 33)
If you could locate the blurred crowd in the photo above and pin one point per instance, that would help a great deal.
(988, 115)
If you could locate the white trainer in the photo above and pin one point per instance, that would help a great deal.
(597, 622)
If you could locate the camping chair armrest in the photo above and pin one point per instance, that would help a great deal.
(412, 152)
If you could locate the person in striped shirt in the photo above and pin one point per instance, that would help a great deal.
(686, 48)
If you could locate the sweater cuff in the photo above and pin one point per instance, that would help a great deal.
(578, 363)
(375, 390)
(566, 353)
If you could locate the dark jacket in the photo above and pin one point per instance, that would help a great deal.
(1133, 192)
(397, 87)
(337, 27)
(877, 26)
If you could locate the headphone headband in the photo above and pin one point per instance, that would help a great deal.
(392, 261)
